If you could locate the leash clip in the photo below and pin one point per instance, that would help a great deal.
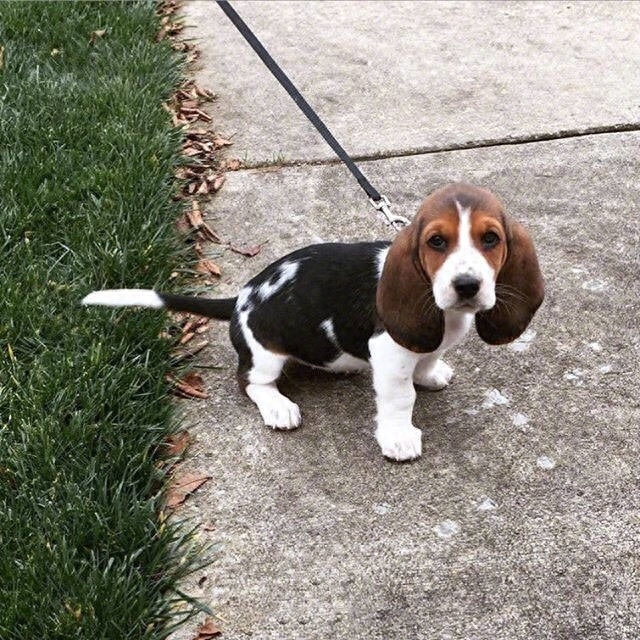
(394, 221)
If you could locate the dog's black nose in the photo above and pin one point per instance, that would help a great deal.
(466, 286)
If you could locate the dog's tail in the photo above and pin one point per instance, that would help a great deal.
(220, 309)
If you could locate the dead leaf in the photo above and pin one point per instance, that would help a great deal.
(190, 151)
(2, 57)
(232, 164)
(175, 27)
(202, 580)
(196, 114)
(203, 94)
(207, 630)
(195, 215)
(96, 35)
(186, 337)
(220, 142)
(178, 122)
(219, 181)
(249, 251)
(193, 55)
(196, 133)
(183, 173)
(167, 7)
(184, 485)
(208, 266)
(189, 386)
(176, 443)
(193, 379)
(191, 351)
(192, 322)
(208, 233)
(195, 219)
(169, 27)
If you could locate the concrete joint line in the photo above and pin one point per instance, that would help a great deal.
(462, 146)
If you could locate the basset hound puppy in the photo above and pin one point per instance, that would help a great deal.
(396, 307)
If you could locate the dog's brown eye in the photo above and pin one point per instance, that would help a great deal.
(437, 242)
(490, 240)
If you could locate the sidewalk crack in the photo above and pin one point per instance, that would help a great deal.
(532, 138)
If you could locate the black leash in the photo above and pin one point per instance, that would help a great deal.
(380, 202)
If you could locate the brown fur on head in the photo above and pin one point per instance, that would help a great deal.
(459, 230)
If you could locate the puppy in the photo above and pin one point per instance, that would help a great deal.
(396, 307)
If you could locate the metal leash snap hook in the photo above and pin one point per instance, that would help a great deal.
(397, 222)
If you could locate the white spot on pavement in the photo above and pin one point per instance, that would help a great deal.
(595, 346)
(382, 508)
(594, 285)
(523, 342)
(605, 368)
(576, 376)
(447, 529)
(487, 504)
(546, 463)
(520, 420)
(494, 397)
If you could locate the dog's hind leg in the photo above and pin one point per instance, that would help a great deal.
(276, 410)
(258, 371)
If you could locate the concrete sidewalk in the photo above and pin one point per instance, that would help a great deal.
(521, 520)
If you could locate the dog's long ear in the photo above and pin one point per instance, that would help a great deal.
(519, 290)
(404, 298)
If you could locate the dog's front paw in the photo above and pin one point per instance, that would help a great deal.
(281, 413)
(436, 377)
(400, 444)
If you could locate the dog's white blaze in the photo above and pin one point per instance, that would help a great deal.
(286, 273)
(124, 298)
(464, 255)
(465, 259)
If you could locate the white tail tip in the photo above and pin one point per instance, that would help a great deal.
(124, 298)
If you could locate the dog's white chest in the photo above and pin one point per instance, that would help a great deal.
(346, 363)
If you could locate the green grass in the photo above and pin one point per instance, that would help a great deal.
(86, 162)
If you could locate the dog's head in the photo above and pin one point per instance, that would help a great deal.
(462, 253)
